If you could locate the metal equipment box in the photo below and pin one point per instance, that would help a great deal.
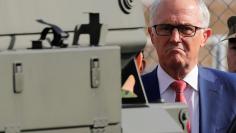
(61, 90)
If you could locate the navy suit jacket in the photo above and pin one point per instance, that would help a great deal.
(217, 95)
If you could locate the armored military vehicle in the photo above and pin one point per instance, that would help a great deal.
(61, 63)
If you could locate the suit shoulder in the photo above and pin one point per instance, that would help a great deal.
(150, 75)
(218, 75)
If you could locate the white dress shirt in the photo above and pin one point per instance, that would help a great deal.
(191, 93)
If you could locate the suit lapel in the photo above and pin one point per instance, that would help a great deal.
(208, 90)
(151, 85)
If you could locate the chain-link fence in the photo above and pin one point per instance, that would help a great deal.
(214, 53)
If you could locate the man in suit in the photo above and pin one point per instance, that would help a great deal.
(178, 29)
(231, 51)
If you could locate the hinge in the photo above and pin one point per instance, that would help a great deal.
(99, 125)
(95, 72)
(98, 130)
(12, 129)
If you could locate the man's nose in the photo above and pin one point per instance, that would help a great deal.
(175, 36)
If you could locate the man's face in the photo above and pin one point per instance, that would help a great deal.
(175, 51)
(231, 55)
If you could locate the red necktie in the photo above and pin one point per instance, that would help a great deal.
(179, 87)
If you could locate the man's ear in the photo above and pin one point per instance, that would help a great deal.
(206, 34)
(150, 31)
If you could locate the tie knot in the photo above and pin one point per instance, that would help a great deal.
(179, 86)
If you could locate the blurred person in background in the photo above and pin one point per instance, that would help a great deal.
(128, 86)
(231, 51)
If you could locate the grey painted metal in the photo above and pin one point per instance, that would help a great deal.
(19, 20)
(57, 91)
(20, 16)
(152, 119)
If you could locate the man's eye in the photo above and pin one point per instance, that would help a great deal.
(186, 28)
(166, 27)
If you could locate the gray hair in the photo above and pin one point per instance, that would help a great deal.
(202, 7)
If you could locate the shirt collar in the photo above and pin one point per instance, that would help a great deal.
(192, 78)
(165, 80)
